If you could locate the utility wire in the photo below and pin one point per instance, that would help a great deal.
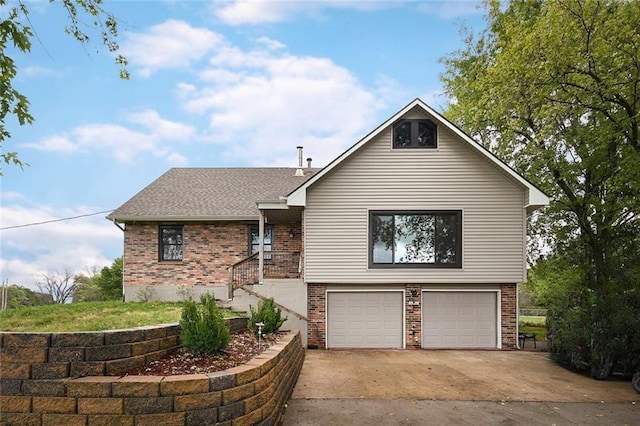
(55, 220)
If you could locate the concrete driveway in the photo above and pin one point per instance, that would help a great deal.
(452, 387)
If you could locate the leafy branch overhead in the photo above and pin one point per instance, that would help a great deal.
(87, 19)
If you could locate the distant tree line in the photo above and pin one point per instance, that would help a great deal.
(63, 287)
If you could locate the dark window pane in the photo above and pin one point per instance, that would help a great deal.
(446, 240)
(382, 239)
(429, 239)
(402, 135)
(414, 235)
(426, 134)
(254, 239)
(171, 243)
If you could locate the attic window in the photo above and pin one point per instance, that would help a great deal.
(415, 134)
(170, 243)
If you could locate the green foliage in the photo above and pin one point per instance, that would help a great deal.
(203, 327)
(89, 316)
(267, 313)
(20, 297)
(110, 280)
(84, 16)
(87, 290)
(551, 87)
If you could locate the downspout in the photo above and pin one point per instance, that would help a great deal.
(116, 224)
(517, 318)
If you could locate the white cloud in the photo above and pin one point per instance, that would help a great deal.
(263, 103)
(172, 44)
(270, 43)
(254, 12)
(74, 245)
(239, 12)
(35, 71)
(124, 143)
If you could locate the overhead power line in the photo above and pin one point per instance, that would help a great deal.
(55, 220)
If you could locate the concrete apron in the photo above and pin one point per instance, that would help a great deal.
(450, 375)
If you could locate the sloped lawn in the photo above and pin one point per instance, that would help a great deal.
(91, 316)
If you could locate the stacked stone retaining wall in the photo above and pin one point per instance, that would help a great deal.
(40, 382)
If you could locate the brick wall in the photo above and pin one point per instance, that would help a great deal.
(413, 315)
(253, 393)
(316, 312)
(209, 249)
(509, 318)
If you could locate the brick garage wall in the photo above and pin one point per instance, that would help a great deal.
(413, 315)
(316, 312)
(209, 249)
(253, 393)
(509, 314)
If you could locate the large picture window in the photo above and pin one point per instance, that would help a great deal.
(415, 239)
(170, 242)
(415, 134)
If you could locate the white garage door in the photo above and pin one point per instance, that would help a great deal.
(364, 319)
(454, 319)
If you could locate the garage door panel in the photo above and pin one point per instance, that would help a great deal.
(459, 319)
(364, 319)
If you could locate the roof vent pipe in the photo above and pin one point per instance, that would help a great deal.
(299, 171)
(309, 163)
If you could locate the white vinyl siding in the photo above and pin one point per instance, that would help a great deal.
(451, 177)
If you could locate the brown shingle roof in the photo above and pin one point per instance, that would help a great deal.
(209, 193)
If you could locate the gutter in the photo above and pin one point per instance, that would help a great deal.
(117, 224)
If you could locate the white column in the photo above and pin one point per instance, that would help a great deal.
(261, 249)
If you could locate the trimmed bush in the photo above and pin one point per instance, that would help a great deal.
(268, 314)
(203, 327)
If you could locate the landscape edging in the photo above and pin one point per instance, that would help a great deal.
(252, 393)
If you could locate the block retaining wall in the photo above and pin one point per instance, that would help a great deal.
(36, 391)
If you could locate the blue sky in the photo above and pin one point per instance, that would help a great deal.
(213, 84)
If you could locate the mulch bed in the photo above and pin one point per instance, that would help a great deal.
(243, 347)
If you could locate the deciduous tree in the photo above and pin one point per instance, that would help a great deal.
(86, 19)
(553, 87)
(60, 286)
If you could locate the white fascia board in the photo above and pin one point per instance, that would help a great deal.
(272, 205)
(298, 197)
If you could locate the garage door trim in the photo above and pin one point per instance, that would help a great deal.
(362, 290)
(469, 290)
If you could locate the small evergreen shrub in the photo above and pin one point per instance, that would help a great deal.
(203, 327)
(268, 314)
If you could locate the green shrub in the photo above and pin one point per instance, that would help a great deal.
(268, 314)
(203, 327)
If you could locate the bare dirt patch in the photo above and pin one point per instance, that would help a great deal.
(243, 347)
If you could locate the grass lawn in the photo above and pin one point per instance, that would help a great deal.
(91, 316)
(529, 324)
